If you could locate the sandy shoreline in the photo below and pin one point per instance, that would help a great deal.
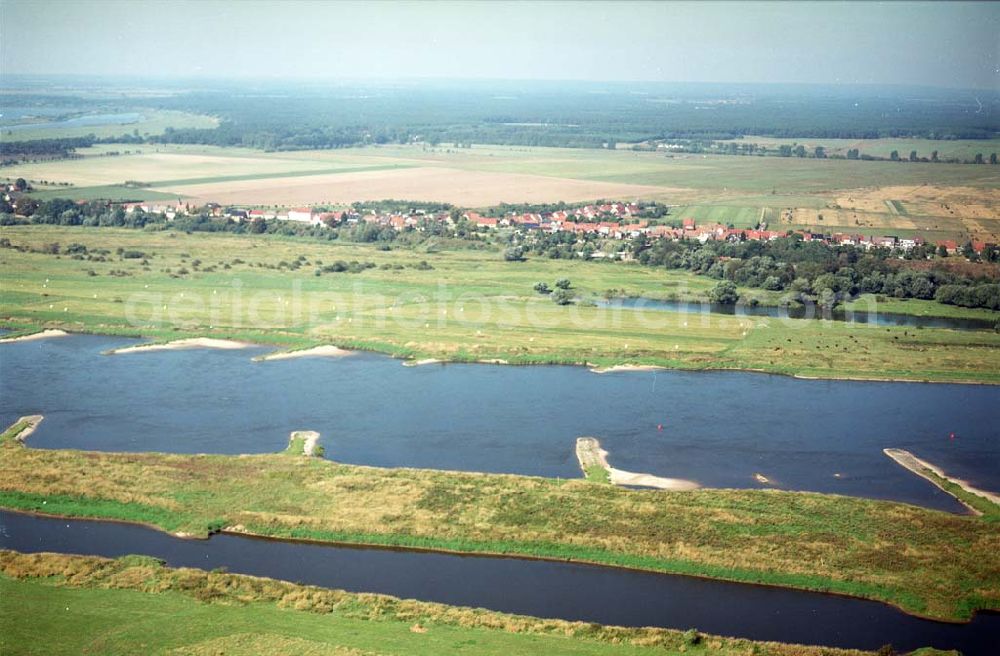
(205, 342)
(325, 351)
(917, 465)
(180, 344)
(590, 454)
(626, 367)
(45, 334)
(420, 363)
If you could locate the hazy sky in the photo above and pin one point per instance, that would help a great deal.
(940, 44)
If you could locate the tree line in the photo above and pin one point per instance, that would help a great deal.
(824, 273)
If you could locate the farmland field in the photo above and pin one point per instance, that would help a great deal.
(937, 201)
(432, 183)
(741, 216)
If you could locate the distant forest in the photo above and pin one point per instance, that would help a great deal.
(285, 117)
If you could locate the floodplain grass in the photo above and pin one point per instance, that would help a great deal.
(926, 562)
(60, 604)
(919, 308)
(470, 306)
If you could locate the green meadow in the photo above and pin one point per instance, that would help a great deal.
(459, 305)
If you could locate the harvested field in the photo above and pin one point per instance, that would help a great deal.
(460, 187)
(960, 212)
(847, 220)
(156, 166)
(927, 200)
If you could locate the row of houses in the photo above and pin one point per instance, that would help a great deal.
(573, 221)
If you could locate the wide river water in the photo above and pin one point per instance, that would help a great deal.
(717, 428)
(542, 589)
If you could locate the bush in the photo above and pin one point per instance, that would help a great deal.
(563, 297)
(724, 293)
(514, 254)
(542, 288)
(691, 637)
(563, 283)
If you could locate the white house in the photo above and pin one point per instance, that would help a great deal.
(304, 214)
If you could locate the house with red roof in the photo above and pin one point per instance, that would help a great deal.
(486, 222)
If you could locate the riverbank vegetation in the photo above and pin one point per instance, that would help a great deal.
(926, 562)
(149, 608)
(815, 272)
(462, 306)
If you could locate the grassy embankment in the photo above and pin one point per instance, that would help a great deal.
(978, 501)
(12, 432)
(597, 474)
(470, 306)
(989, 509)
(923, 561)
(296, 446)
(134, 604)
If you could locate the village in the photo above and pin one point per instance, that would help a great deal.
(613, 221)
(608, 220)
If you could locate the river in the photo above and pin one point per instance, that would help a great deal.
(717, 428)
(528, 587)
